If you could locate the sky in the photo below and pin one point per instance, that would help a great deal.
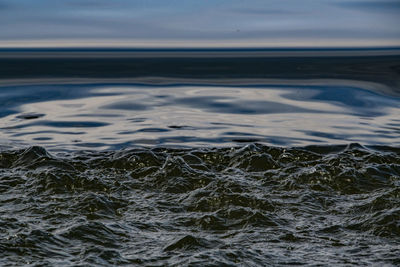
(194, 23)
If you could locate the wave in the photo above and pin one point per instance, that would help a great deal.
(253, 204)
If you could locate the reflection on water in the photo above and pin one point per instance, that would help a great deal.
(109, 116)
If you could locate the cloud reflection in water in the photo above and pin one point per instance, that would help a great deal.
(113, 115)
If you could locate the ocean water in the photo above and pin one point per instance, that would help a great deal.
(107, 99)
(199, 133)
(199, 157)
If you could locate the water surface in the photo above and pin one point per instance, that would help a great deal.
(199, 133)
(113, 116)
(254, 205)
(269, 157)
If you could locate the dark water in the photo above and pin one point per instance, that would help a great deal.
(254, 205)
(175, 158)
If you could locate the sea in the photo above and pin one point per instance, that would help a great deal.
(191, 152)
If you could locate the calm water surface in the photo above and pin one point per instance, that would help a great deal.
(114, 116)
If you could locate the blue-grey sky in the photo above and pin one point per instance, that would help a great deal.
(202, 22)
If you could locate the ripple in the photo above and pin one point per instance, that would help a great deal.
(230, 205)
(30, 116)
(117, 115)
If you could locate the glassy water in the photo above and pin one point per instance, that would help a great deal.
(114, 116)
(199, 133)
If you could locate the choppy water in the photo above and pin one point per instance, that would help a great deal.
(267, 158)
(253, 205)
